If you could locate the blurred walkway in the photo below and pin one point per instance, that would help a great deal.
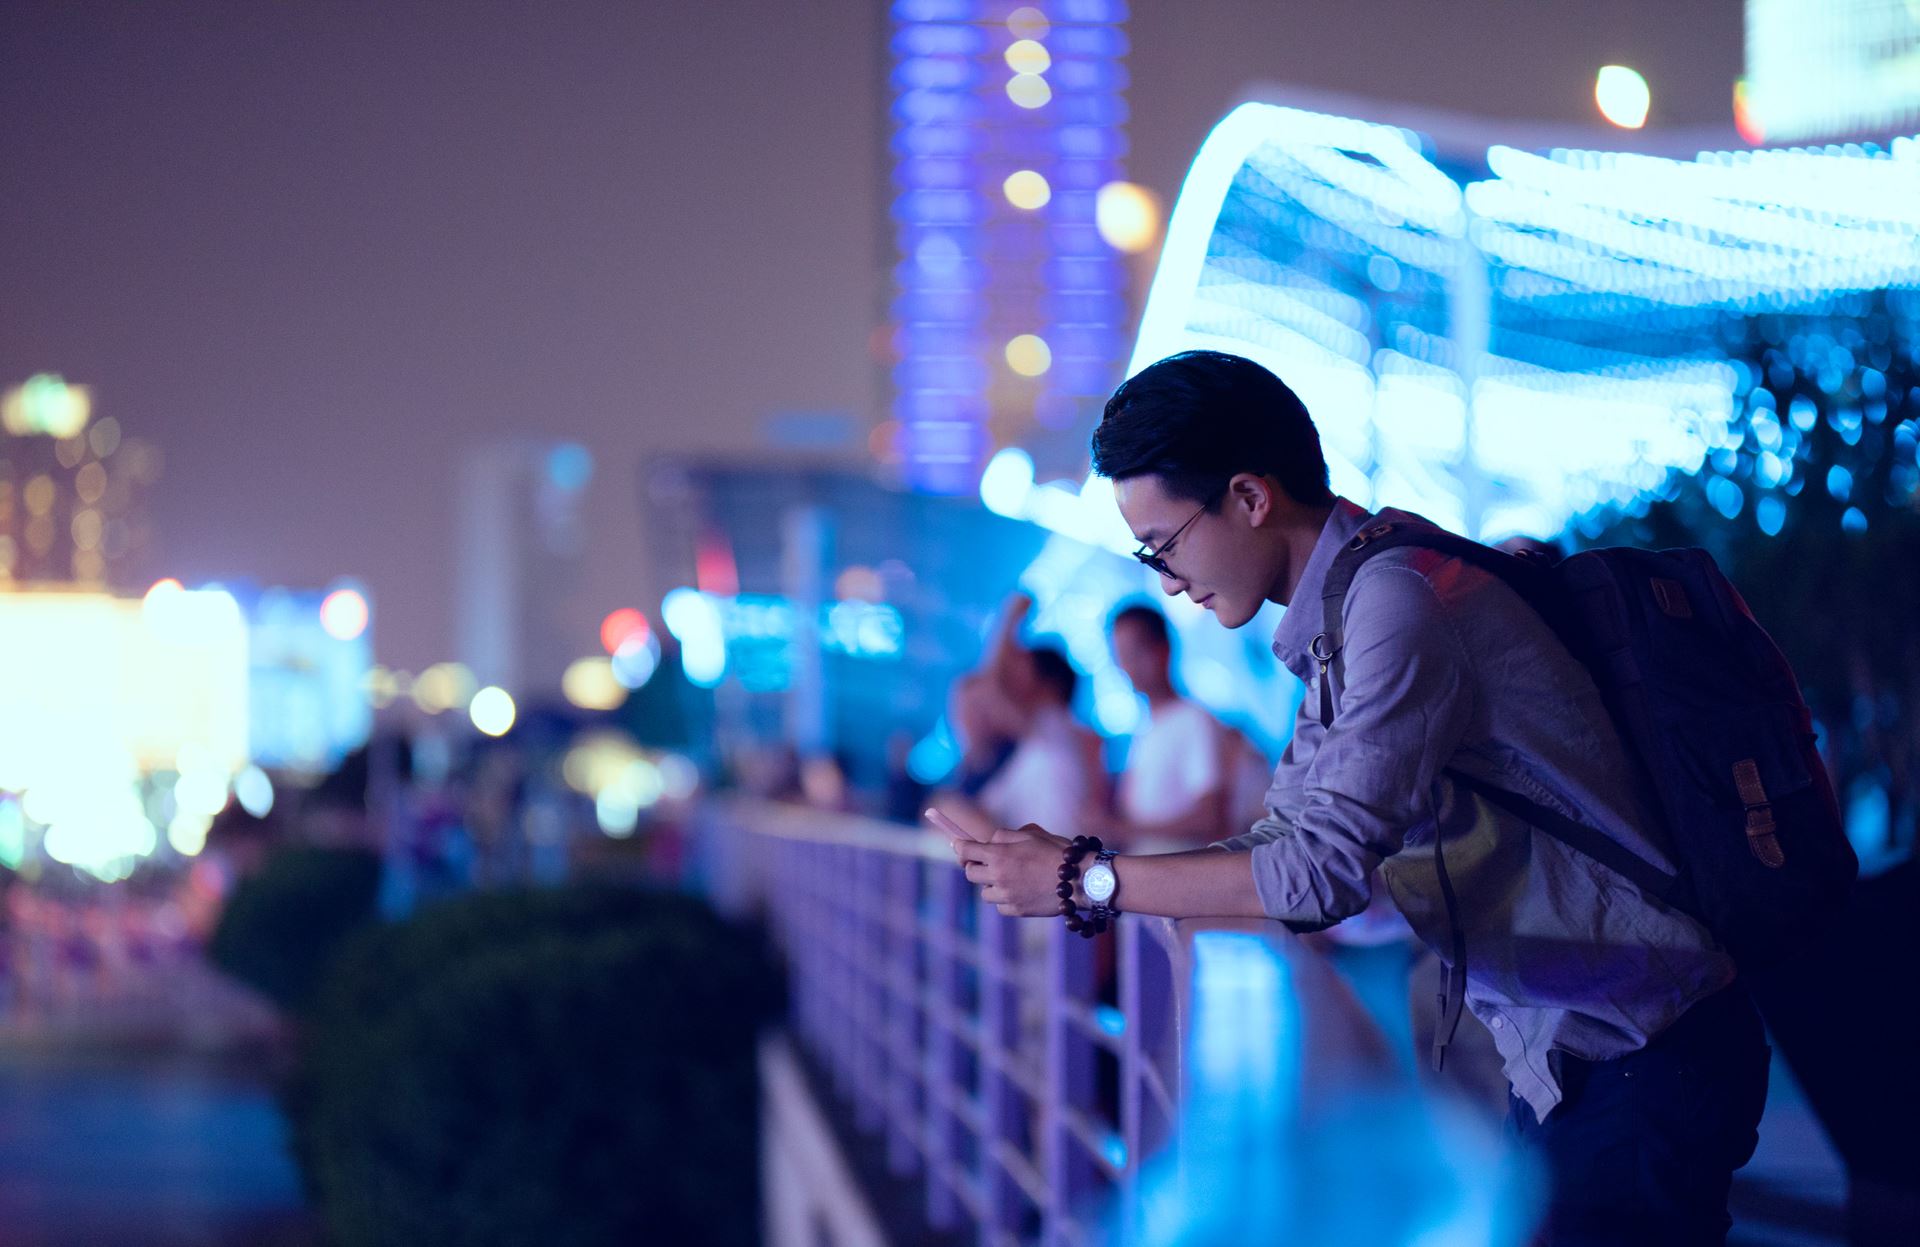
(138, 1111)
(143, 1148)
(1794, 1191)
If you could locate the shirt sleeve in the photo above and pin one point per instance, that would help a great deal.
(1345, 797)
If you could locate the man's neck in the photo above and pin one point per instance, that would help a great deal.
(1301, 537)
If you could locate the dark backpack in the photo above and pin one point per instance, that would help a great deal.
(1711, 717)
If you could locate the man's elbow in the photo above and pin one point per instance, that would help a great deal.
(1312, 899)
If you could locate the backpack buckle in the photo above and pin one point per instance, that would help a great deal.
(1365, 535)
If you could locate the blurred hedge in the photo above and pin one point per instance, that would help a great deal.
(561, 1068)
(281, 927)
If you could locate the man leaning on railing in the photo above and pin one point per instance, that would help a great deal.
(1637, 1064)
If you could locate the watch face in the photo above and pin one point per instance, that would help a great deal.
(1099, 882)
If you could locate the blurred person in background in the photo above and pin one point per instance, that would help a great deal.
(1190, 779)
(987, 726)
(904, 795)
(1055, 768)
(1023, 750)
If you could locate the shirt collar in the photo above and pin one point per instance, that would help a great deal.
(1303, 620)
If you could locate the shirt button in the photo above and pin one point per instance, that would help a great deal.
(1499, 1022)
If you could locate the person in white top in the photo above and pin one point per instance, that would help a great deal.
(1190, 778)
(1054, 771)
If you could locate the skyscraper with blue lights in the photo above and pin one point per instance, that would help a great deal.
(1010, 309)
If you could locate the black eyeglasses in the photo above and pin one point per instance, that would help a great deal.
(1154, 559)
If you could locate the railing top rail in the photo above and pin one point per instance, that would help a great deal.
(798, 822)
(788, 821)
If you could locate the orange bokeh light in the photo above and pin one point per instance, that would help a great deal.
(622, 626)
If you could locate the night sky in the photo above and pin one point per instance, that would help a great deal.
(313, 250)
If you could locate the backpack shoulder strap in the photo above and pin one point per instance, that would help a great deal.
(1577, 836)
(1390, 530)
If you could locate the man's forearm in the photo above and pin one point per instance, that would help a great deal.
(1203, 818)
(1206, 883)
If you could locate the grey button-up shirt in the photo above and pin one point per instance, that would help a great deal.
(1445, 666)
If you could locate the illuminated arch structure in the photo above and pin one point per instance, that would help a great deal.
(1509, 346)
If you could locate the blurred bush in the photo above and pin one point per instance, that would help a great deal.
(283, 924)
(565, 1067)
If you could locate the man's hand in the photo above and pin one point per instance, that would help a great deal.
(1018, 871)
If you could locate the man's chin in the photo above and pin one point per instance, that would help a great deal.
(1231, 616)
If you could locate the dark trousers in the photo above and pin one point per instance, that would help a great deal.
(1642, 1149)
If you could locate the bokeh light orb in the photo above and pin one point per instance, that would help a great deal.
(1028, 22)
(253, 789)
(1027, 190)
(444, 686)
(1007, 481)
(1623, 96)
(1029, 90)
(634, 663)
(493, 711)
(620, 627)
(1028, 56)
(1127, 216)
(343, 613)
(589, 683)
(1029, 355)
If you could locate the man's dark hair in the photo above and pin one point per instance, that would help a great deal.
(1140, 615)
(1052, 669)
(1197, 418)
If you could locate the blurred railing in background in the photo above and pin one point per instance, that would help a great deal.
(1019, 1074)
(111, 966)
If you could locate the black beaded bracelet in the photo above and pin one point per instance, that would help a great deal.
(1078, 848)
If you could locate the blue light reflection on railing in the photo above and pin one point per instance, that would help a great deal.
(1290, 1122)
(1257, 1165)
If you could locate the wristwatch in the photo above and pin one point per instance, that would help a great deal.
(1100, 883)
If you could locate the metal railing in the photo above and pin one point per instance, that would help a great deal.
(1019, 1073)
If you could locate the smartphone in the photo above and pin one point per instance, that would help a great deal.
(942, 823)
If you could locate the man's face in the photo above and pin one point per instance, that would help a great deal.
(1223, 560)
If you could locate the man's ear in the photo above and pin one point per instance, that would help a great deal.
(1251, 496)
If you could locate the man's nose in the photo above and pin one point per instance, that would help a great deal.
(1172, 586)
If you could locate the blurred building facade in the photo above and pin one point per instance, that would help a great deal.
(521, 548)
(70, 488)
(1010, 309)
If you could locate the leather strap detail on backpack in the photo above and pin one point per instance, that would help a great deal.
(1671, 596)
(1761, 838)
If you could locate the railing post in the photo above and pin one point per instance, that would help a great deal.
(814, 926)
(900, 917)
(868, 962)
(1070, 1171)
(846, 955)
(1003, 1119)
(824, 924)
(1146, 1001)
(945, 1132)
